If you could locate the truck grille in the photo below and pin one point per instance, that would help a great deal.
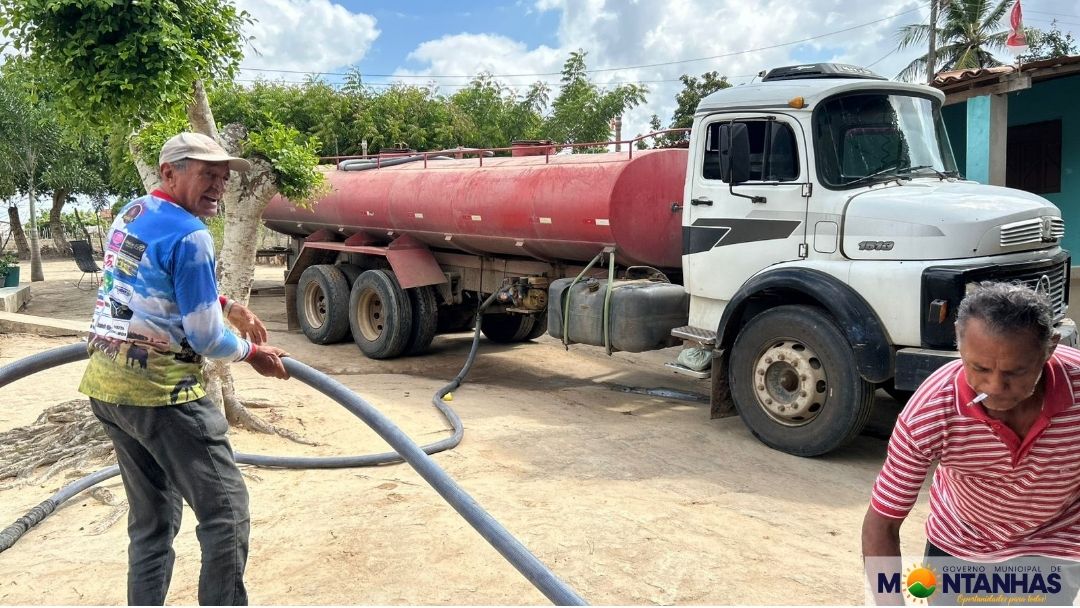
(1032, 231)
(1056, 275)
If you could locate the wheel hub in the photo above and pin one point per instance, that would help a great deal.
(315, 305)
(370, 316)
(790, 383)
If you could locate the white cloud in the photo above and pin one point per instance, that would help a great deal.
(305, 35)
(469, 54)
(618, 33)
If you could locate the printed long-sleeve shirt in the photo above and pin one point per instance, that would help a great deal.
(157, 312)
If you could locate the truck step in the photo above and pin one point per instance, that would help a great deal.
(686, 371)
(705, 336)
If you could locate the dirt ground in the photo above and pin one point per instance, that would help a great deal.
(629, 498)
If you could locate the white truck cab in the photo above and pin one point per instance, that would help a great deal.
(828, 238)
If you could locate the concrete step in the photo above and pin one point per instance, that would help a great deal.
(12, 299)
(16, 323)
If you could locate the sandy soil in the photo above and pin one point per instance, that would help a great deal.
(630, 498)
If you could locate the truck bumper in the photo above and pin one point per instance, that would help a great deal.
(913, 365)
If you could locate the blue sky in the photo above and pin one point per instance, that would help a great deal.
(428, 41)
(519, 41)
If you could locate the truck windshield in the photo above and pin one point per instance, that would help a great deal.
(867, 137)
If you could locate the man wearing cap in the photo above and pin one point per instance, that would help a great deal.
(157, 315)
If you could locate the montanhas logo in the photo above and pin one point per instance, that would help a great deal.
(920, 582)
(967, 583)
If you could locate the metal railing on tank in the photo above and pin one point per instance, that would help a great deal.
(546, 149)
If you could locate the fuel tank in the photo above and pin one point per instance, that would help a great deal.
(551, 208)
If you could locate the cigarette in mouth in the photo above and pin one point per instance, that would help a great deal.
(978, 398)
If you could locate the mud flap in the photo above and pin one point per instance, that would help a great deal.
(720, 401)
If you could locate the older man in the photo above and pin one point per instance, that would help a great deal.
(158, 314)
(1003, 426)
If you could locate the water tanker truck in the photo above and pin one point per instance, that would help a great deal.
(813, 242)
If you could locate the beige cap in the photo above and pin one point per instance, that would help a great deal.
(197, 146)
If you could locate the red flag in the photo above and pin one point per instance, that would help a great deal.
(1017, 40)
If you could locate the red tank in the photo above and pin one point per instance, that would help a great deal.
(552, 208)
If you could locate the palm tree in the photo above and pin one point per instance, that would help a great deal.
(964, 41)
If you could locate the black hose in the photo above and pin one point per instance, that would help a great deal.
(364, 164)
(505, 543)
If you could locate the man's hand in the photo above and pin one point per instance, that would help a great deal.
(267, 361)
(245, 321)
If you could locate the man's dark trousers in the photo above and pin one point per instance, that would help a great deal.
(167, 455)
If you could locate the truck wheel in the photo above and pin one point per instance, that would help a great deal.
(901, 397)
(539, 327)
(351, 272)
(380, 315)
(505, 327)
(455, 318)
(795, 384)
(425, 319)
(322, 301)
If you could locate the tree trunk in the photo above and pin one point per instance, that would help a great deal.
(17, 231)
(242, 205)
(86, 233)
(931, 54)
(56, 224)
(149, 176)
(200, 115)
(36, 273)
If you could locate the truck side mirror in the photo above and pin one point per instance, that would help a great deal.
(734, 153)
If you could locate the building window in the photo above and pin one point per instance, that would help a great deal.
(1033, 157)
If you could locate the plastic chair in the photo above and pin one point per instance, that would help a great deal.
(84, 259)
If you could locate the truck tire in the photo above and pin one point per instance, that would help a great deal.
(425, 319)
(795, 383)
(380, 315)
(505, 328)
(322, 304)
(539, 328)
(457, 317)
(900, 396)
(351, 272)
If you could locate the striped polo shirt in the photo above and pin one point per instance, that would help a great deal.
(993, 496)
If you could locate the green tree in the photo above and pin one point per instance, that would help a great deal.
(966, 39)
(1049, 44)
(138, 61)
(583, 111)
(694, 90)
(29, 142)
(488, 115)
(125, 60)
(80, 167)
(405, 114)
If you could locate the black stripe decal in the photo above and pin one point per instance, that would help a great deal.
(709, 233)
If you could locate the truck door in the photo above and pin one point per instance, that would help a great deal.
(728, 236)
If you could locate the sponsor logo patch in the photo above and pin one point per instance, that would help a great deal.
(118, 329)
(133, 212)
(121, 292)
(116, 239)
(133, 248)
(126, 267)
